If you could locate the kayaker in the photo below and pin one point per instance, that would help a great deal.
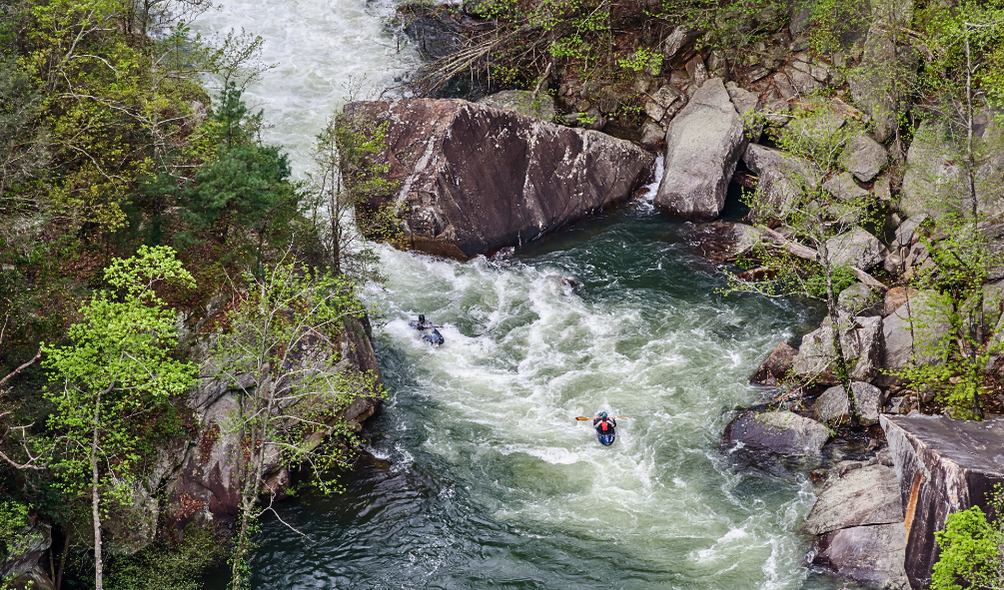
(604, 425)
(421, 324)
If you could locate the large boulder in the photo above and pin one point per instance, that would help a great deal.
(198, 474)
(24, 551)
(783, 433)
(864, 496)
(871, 555)
(933, 180)
(832, 406)
(881, 83)
(539, 106)
(856, 248)
(781, 177)
(471, 179)
(775, 367)
(914, 330)
(864, 157)
(703, 145)
(722, 241)
(943, 466)
(860, 339)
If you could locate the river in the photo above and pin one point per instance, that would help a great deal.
(482, 477)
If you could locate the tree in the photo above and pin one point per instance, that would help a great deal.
(282, 349)
(972, 548)
(811, 218)
(344, 179)
(113, 376)
(962, 76)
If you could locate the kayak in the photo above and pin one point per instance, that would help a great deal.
(606, 439)
(434, 337)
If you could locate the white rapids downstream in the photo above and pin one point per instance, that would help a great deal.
(482, 476)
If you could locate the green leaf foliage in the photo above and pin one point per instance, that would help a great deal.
(117, 370)
(972, 548)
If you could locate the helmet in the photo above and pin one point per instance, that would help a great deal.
(603, 415)
(421, 318)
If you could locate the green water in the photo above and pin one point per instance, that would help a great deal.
(485, 480)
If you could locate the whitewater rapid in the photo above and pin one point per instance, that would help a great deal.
(483, 477)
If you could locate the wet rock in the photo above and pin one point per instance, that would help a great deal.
(523, 102)
(472, 179)
(775, 367)
(783, 433)
(652, 134)
(703, 145)
(832, 408)
(943, 466)
(861, 340)
(439, 31)
(911, 330)
(864, 157)
(722, 241)
(865, 496)
(871, 555)
(780, 178)
(856, 248)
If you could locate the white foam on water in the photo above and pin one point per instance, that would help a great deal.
(321, 49)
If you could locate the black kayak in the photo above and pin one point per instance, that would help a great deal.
(606, 439)
(434, 337)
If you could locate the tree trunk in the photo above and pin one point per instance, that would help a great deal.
(977, 328)
(96, 500)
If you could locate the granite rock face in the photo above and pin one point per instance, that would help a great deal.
(832, 406)
(910, 330)
(472, 179)
(703, 144)
(784, 433)
(865, 496)
(856, 248)
(201, 480)
(871, 555)
(861, 340)
(864, 157)
(781, 177)
(943, 466)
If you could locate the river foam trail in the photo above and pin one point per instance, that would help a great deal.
(482, 476)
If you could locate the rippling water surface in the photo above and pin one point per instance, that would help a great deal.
(484, 478)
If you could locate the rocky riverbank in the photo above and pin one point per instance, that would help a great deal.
(722, 120)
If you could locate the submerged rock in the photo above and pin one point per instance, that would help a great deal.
(943, 466)
(472, 179)
(784, 433)
(703, 145)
